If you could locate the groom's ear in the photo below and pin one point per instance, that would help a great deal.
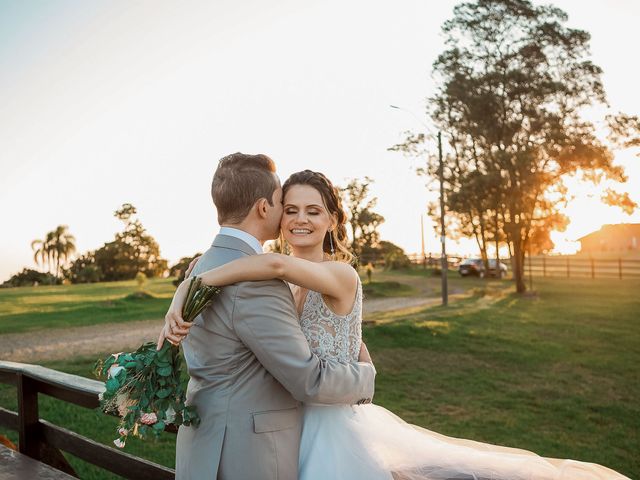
(261, 207)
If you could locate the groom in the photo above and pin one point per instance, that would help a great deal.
(249, 362)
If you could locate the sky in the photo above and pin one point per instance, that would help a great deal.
(107, 102)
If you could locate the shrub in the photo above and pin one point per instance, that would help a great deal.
(29, 278)
(141, 279)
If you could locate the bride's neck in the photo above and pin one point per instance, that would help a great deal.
(313, 254)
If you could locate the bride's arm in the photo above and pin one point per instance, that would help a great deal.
(333, 279)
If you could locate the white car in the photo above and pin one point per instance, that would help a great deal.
(475, 267)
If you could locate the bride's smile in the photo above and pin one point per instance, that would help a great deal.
(305, 220)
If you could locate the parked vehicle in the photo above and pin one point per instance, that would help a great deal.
(494, 270)
(471, 266)
(475, 267)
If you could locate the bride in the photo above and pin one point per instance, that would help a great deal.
(360, 441)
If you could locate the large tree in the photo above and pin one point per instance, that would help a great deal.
(132, 251)
(624, 130)
(513, 84)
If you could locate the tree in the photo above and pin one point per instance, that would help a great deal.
(393, 256)
(125, 212)
(472, 201)
(364, 222)
(624, 130)
(42, 252)
(56, 248)
(180, 268)
(84, 270)
(512, 85)
(62, 246)
(131, 252)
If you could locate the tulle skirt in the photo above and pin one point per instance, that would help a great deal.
(341, 442)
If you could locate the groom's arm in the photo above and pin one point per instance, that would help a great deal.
(266, 321)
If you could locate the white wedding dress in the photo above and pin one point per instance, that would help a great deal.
(368, 442)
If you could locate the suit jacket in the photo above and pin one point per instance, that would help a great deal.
(250, 366)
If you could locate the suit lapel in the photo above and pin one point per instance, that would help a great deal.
(233, 243)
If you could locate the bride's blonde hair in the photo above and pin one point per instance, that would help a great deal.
(333, 203)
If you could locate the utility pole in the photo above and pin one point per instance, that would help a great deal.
(444, 264)
(424, 257)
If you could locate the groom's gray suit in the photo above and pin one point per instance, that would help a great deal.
(250, 367)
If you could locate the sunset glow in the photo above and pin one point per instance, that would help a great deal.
(102, 105)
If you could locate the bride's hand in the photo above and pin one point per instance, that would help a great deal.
(175, 328)
(191, 265)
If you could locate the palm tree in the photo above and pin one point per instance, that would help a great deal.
(42, 252)
(56, 249)
(62, 246)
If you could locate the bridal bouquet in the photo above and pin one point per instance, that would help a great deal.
(144, 388)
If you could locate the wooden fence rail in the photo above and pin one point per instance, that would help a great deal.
(560, 266)
(433, 261)
(45, 441)
(582, 267)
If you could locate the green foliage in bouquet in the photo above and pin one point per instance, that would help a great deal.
(145, 387)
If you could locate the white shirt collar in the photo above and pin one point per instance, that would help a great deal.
(252, 241)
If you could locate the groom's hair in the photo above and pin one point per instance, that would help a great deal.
(239, 182)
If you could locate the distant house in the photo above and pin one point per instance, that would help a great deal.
(612, 238)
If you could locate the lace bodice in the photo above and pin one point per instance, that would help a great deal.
(332, 336)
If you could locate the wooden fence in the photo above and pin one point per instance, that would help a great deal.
(572, 266)
(433, 261)
(45, 441)
(556, 266)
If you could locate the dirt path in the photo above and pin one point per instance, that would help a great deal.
(397, 303)
(56, 344)
(61, 343)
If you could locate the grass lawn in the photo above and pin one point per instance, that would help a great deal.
(424, 282)
(32, 308)
(387, 289)
(61, 306)
(557, 373)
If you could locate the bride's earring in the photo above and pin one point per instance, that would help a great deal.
(333, 252)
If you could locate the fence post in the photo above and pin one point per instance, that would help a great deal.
(544, 266)
(28, 428)
(568, 269)
(530, 272)
(593, 271)
(620, 268)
